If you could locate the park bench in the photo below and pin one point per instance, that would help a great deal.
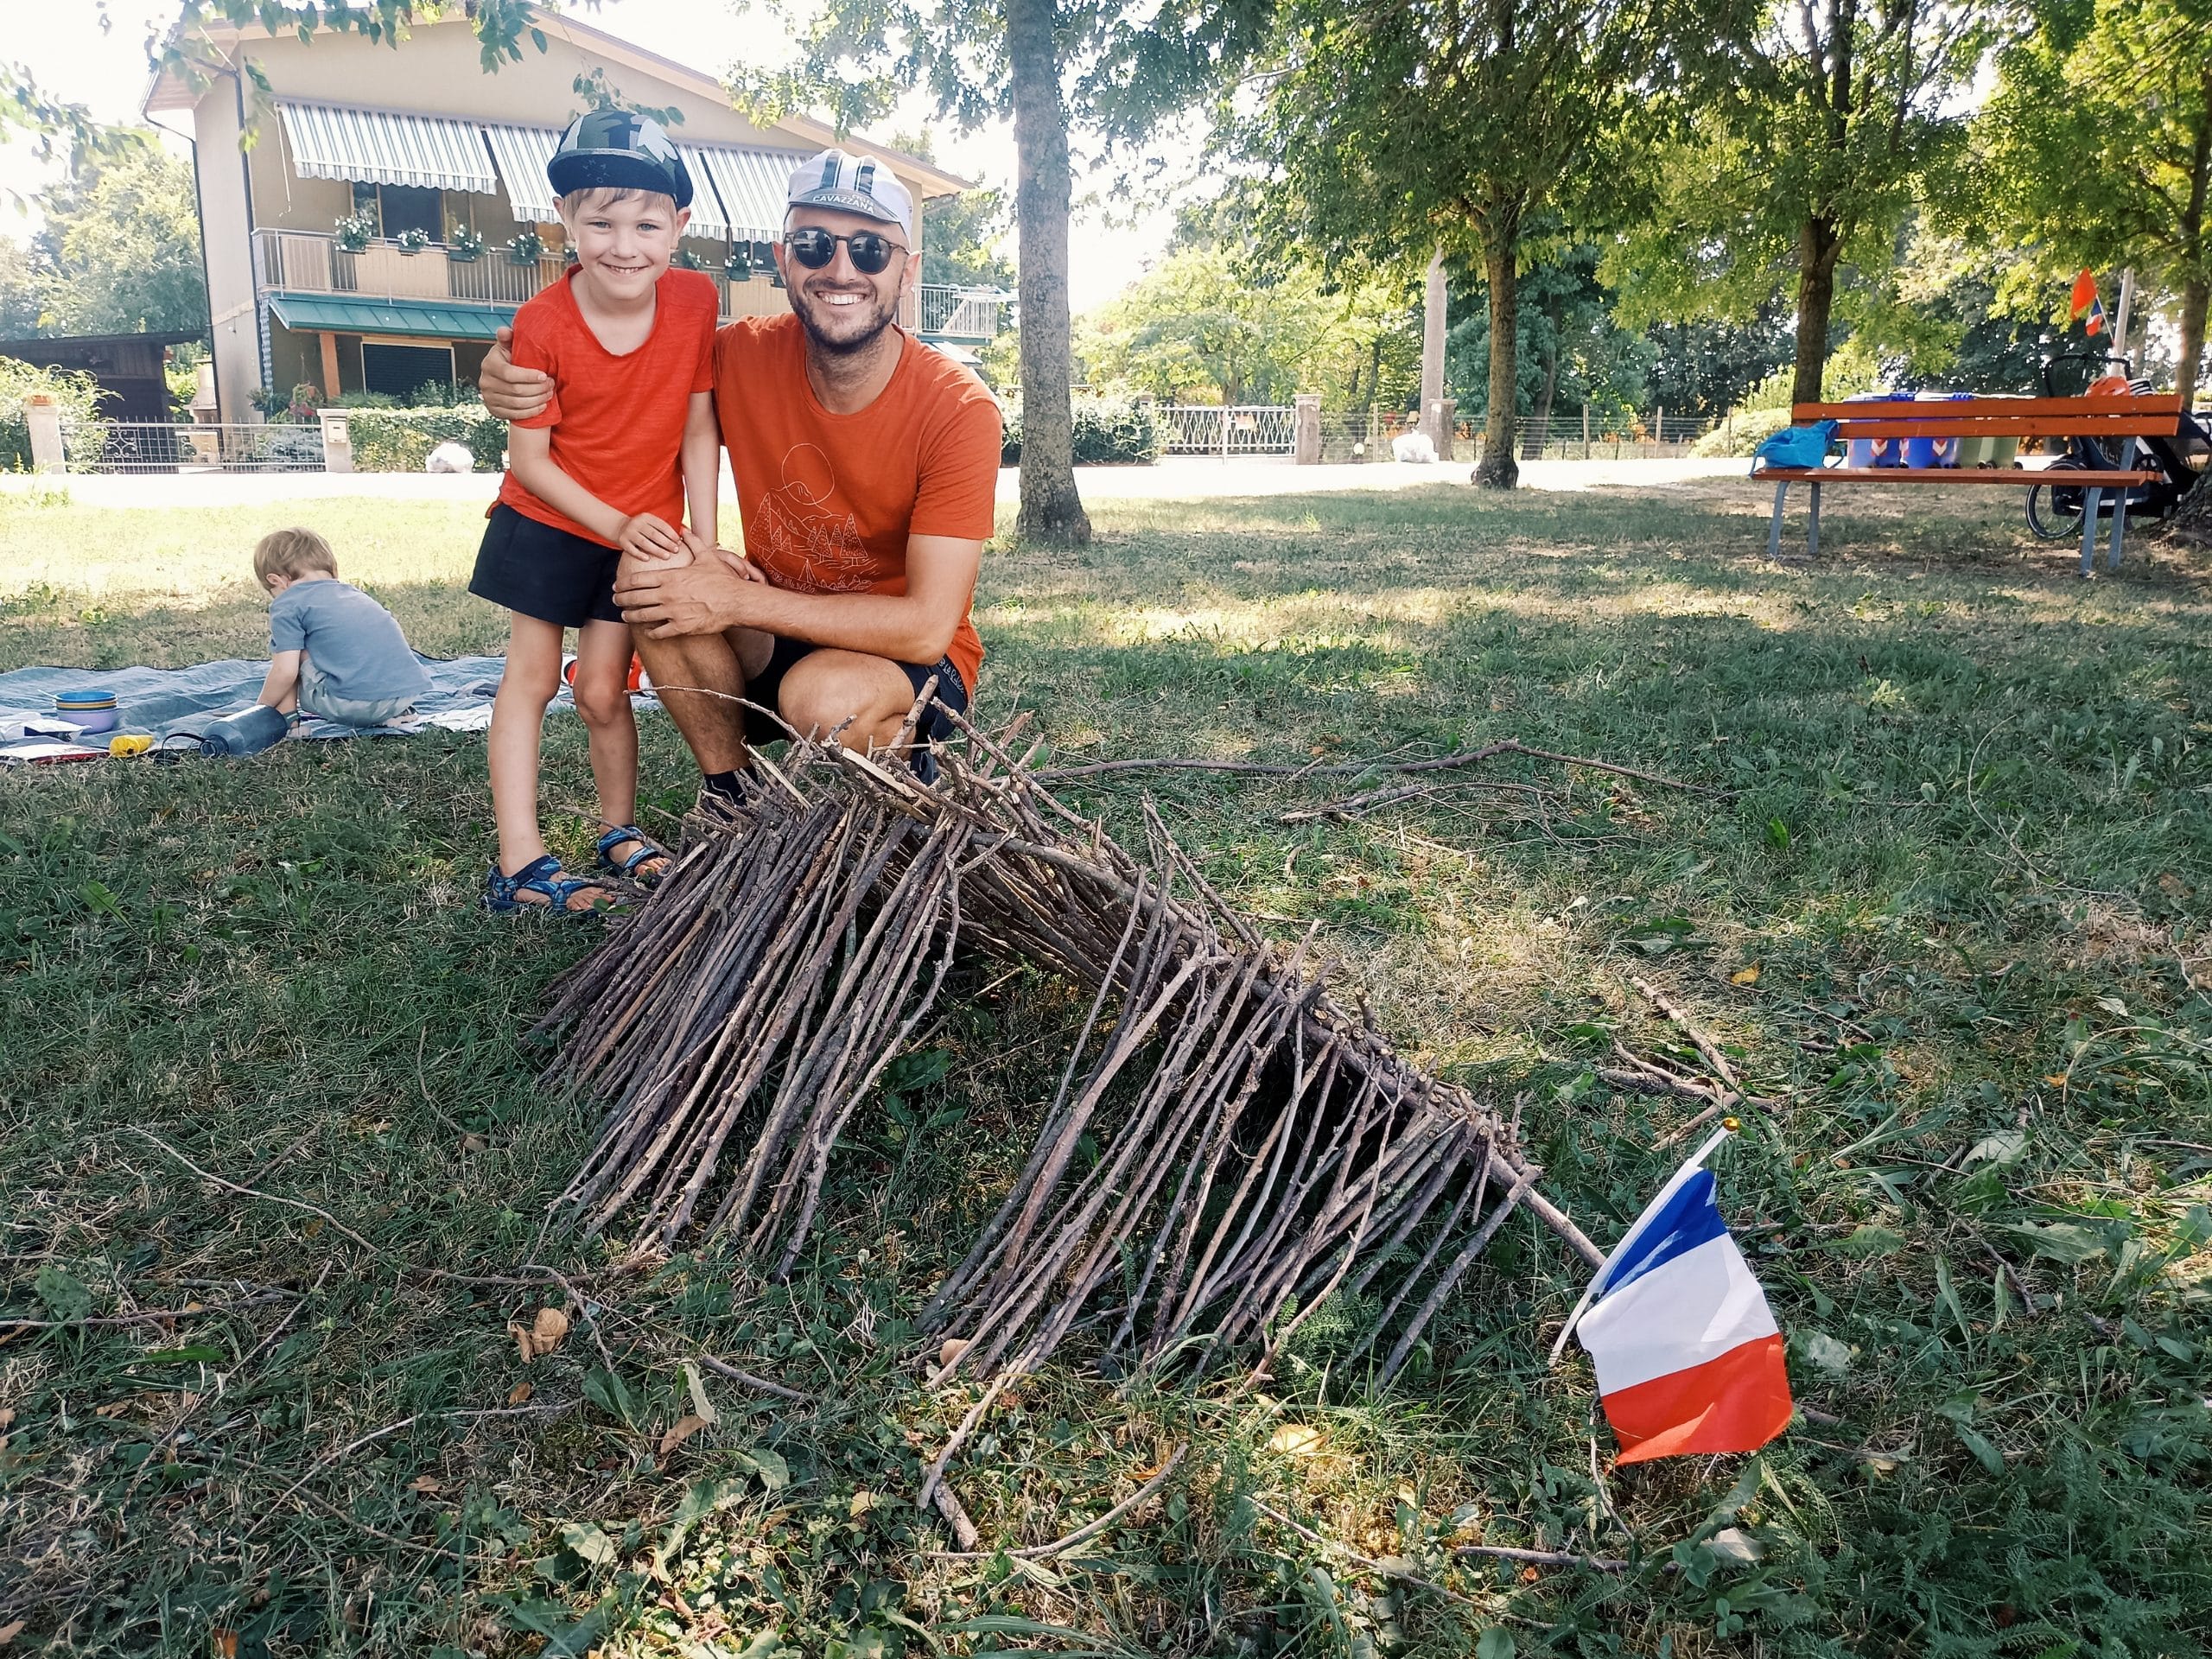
(2117, 425)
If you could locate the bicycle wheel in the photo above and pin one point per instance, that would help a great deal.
(2055, 510)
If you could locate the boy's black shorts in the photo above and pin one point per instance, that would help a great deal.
(534, 569)
(765, 688)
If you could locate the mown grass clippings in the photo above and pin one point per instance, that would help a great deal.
(1983, 959)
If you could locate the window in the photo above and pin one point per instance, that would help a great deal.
(400, 370)
(396, 207)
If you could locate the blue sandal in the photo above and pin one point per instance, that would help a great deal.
(542, 876)
(648, 851)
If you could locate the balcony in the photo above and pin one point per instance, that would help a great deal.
(970, 315)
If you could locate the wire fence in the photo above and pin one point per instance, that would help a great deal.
(1372, 433)
(165, 447)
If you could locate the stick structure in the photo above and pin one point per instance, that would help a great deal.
(1227, 1146)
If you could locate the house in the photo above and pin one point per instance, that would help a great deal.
(129, 369)
(437, 170)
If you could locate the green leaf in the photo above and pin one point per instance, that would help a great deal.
(198, 1354)
(1986, 1454)
(604, 1389)
(775, 1474)
(1824, 1351)
(1869, 1240)
(590, 1543)
(2067, 1241)
(1777, 834)
(65, 1295)
(96, 894)
(2001, 1149)
(1495, 1643)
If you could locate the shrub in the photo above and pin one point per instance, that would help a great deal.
(400, 440)
(1742, 433)
(78, 394)
(1109, 431)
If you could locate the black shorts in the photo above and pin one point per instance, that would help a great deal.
(766, 688)
(536, 571)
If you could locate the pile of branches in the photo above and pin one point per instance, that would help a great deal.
(1260, 1148)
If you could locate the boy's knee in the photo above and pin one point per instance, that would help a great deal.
(600, 705)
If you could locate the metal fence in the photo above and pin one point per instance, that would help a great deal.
(961, 313)
(1212, 429)
(163, 447)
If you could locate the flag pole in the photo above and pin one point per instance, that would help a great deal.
(1690, 1165)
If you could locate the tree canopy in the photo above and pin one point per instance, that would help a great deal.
(119, 252)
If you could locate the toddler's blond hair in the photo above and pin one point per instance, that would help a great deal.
(292, 553)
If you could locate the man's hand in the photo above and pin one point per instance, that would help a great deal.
(645, 537)
(706, 596)
(511, 393)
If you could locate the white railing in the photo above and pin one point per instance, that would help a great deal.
(165, 447)
(1240, 429)
(305, 261)
(962, 313)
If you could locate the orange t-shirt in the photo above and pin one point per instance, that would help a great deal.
(828, 501)
(617, 421)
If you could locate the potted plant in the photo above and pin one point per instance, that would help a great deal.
(412, 241)
(355, 233)
(685, 259)
(738, 268)
(527, 249)
(463, 245)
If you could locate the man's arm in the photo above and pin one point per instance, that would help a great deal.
(511, 393)
(711, 596)
(282, 680)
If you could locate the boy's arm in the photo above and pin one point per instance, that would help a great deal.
(282, 680)
(530, 458)
(703, 466)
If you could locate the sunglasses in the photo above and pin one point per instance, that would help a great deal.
(815, 249)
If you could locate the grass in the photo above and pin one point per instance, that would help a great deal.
(1956, 905)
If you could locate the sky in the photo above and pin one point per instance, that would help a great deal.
(73, 57)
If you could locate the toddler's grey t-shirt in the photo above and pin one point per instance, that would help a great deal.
(355, 643)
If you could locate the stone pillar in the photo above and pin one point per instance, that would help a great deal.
(43, 415)
(1443, 423)
(1431, 350)
(337, 442)
(1305, 428)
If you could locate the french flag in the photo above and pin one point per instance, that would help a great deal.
(1687, 1354)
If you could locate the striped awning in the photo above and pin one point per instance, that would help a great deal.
(751, 183)
(522, 153)
(330, 141)
(709, 217)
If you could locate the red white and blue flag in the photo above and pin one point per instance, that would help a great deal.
(1687, 1355)
(2084, 298)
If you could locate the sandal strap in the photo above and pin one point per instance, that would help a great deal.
(645, 853)
(542, 875)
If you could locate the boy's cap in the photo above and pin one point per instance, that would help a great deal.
(617, 149)
(852, 184)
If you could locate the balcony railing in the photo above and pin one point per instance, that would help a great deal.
(974, 314)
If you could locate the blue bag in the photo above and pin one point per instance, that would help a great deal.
(1796, 446)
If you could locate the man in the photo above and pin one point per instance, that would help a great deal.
(867, 466)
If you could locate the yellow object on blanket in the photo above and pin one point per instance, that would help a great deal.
(134, 743)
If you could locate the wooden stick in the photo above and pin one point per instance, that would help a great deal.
(1705, 1046)
(723, 1367)
(1546, 1557)
(1081, 1535)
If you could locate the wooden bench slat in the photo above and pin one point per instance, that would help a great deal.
(2047, 426)
(2018, 477)
(2164, 402)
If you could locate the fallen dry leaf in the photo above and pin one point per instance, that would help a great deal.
(949, 1350)
(426, 1485)
(519, 1395)
(863, 1501)
(113, 1408)
(7, 1415)
(1529, 1575)
(473, 1143)
(10, 1631)
(1297, 1441)
(545, 1333)
(1745, 976)
(226, 1644)
(680, 1431)
(2056, 1082)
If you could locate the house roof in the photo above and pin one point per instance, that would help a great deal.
(347, 313)
(170, 91)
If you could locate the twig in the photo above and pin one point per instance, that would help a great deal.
(1367, 1561)
(723, 1367)
(253, 1192)
(956, 1516)
(1546, 1557)
(1081, 1535)
(1705, 1046)
(329, 1458)
(150, 1316)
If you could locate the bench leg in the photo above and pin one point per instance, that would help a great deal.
(2119, 507)
(1813, 526)
(1774, 531)
(2089, 498)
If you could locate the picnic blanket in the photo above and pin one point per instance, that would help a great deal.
(175, 705)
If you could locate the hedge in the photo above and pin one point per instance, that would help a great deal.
(400, 440)
(1107, 430)
(78, 394)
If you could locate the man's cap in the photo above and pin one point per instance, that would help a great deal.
(852, 184)
(618, 149)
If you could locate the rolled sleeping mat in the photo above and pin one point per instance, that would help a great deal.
(248, 732)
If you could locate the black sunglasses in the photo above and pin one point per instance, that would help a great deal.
(815, 249)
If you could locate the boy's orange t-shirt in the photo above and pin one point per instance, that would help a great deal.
(828, 501)
(617, 421)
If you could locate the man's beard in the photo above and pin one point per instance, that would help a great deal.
(804, 304)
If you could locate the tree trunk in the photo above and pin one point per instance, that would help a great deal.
(1498, 469)
(2195, 286)
(1051, 506)
(1817, 248)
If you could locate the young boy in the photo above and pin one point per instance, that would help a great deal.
(603, 474)
(334, 651)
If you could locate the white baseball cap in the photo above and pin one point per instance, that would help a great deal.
(852, 184)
